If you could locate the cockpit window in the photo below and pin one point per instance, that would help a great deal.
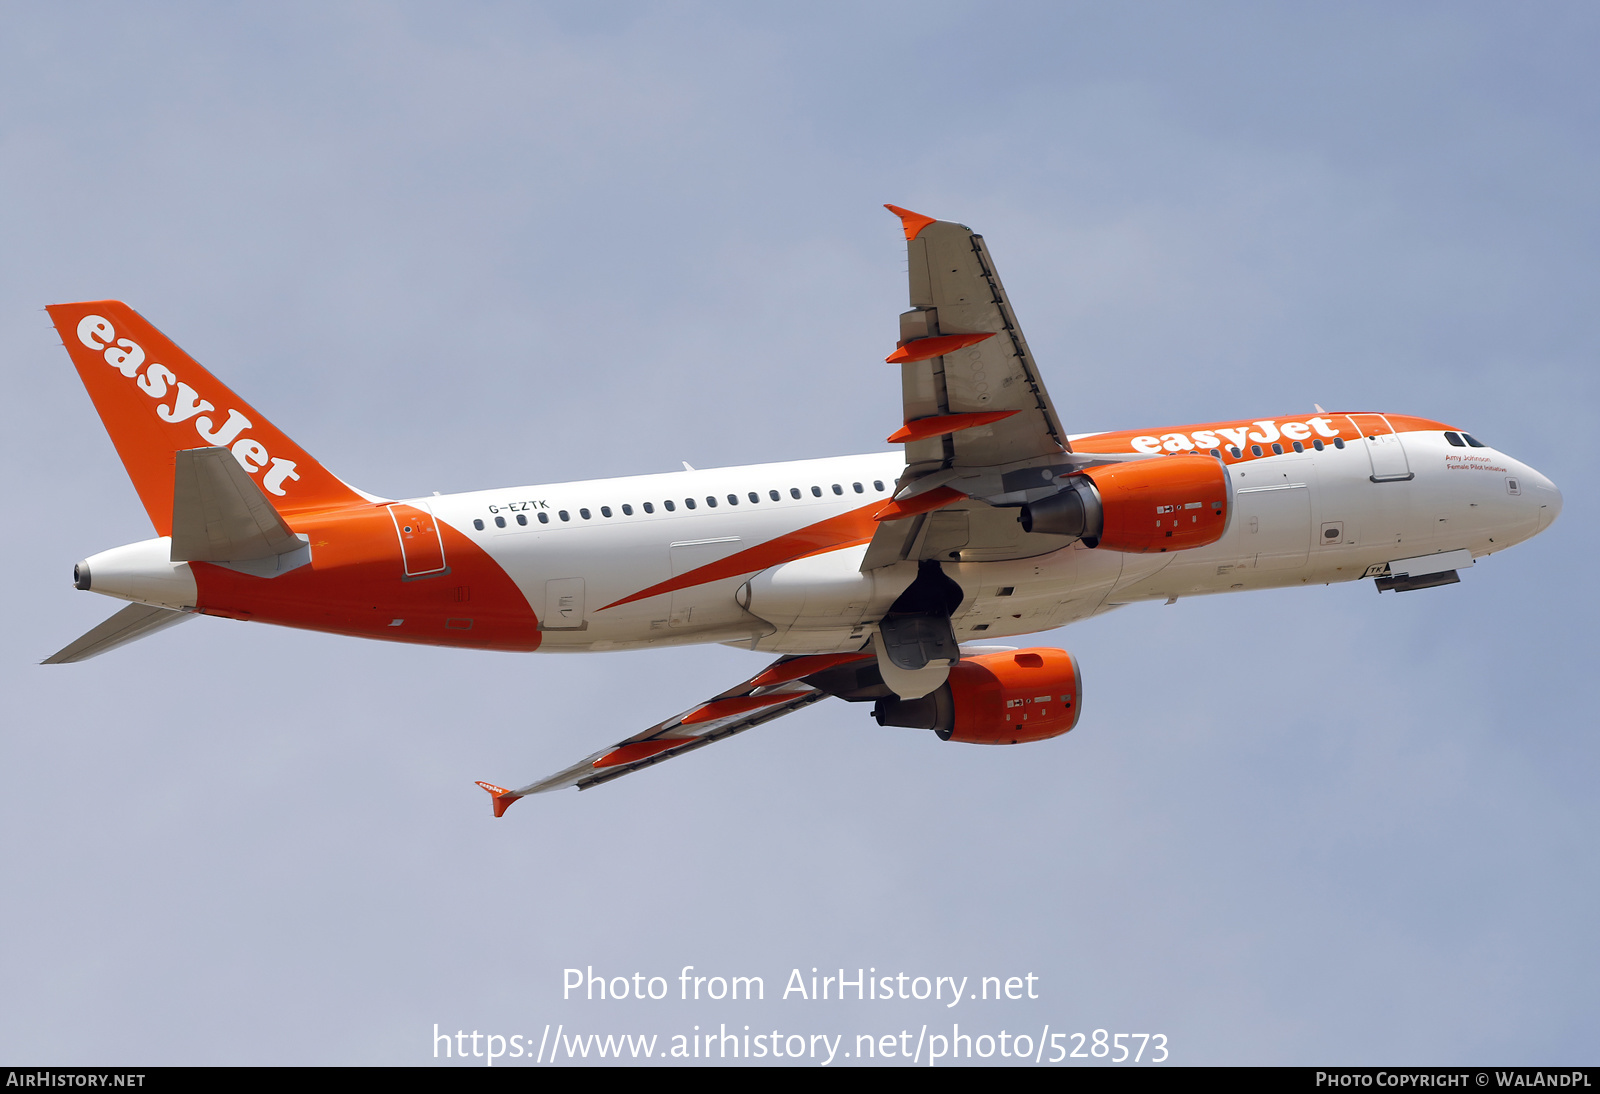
(1454, 438)
(1473, 441)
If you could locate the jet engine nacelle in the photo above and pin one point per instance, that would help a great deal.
(1171, 503)
(996, 699)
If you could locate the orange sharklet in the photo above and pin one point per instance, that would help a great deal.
(502, 797)
(913, 223)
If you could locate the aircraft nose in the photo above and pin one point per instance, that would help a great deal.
(1549, 500)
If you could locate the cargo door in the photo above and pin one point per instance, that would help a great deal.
(1274, 525)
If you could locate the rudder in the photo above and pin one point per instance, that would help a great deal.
(155, 401)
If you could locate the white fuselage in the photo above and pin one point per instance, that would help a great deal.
(1297, 519)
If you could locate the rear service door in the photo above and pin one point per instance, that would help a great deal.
(421, 549)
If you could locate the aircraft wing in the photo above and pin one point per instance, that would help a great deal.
(775, 691)
(963, 353)
(978, 422)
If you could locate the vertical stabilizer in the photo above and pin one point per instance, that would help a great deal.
(155, 401)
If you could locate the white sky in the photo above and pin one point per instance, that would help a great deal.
(451, 247)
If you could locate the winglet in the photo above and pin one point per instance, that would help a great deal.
(502, 797)
(913, 223)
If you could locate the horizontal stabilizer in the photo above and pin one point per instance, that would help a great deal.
(219, 514)
(129, 625)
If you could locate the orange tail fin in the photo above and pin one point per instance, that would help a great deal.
(156, 400)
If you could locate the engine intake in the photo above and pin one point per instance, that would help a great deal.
(996, 699)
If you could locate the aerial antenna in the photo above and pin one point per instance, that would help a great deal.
(686, 466)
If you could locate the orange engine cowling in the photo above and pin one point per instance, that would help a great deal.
(1171, 503)
(996, 699)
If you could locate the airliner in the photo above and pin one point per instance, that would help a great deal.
(895, 579)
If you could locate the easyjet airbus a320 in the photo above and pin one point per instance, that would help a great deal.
(883, 579)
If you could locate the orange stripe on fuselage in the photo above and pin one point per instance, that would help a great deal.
(355, 585)
(845, 530)
(1246, 432)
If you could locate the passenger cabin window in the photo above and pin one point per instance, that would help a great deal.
(564, 515)
(584, 513)
(688, 503)
(649, 507)
(1235, 451)
(669, 506)
(1298, 447)
(1317, 444)
(1338, 442)
(522, 519)
(754, 497)
(605, 510)
(837, 489)
(1277, 449)
(877, 484)
(478, 524)
(856, 486)
(499, 522)
(733, 499)
(711, 502)
(544, 518)
(794, 491)
(773, 494)
(1255, 450)
(627, 510)
(816, 491)
(1217, 453)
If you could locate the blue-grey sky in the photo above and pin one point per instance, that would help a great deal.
(451, 247)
